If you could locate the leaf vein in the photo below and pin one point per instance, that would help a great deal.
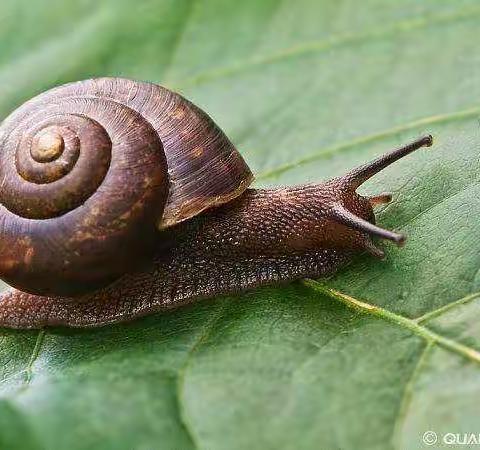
(440, 311)
(35, 354)
(399, 320)
(182, 414)
(379, 136)
(323, 45)
(408, 391)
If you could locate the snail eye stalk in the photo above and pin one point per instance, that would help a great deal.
(358, 176)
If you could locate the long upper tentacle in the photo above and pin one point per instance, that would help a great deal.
(361, 174)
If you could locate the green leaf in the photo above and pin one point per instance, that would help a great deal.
(374, 358)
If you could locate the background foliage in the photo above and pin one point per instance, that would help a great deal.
(306, 89)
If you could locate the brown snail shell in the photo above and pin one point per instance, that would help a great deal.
(91, 170)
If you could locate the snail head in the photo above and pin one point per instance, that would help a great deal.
(356, 211)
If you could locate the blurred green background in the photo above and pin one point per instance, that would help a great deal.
(306, 90)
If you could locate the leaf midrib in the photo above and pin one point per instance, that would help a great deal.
(413, 325)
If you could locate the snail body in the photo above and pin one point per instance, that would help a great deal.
(121, 198)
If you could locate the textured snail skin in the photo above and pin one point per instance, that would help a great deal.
(226, 250)
(262, 237)
(123, 184)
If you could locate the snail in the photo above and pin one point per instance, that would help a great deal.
(121, 198)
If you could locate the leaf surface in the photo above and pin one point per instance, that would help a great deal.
(306, 90)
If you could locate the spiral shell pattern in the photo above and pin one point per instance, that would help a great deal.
(91, 170)
(84, 185)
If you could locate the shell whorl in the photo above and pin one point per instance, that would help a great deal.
(204, 168)
(84, 185)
